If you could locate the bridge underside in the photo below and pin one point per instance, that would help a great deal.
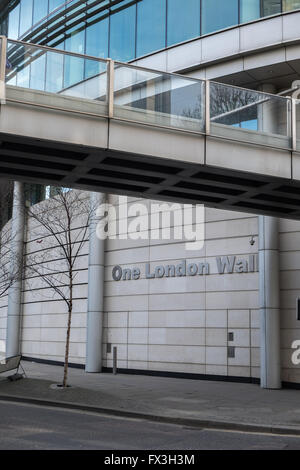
(117, 172)
(91, 152)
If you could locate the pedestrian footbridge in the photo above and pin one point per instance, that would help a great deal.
(76, 121)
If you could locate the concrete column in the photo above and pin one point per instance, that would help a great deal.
(95, 290)
(269, 284)
(15, 291)
(269, 301)
(267, 116)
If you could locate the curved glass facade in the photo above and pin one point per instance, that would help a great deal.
(127, 29)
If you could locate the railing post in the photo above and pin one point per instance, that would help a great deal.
(110, 87)
(207, 107)
(115, 360)
(3, 68)
(294, 124)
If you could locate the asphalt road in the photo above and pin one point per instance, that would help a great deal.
(31, 427)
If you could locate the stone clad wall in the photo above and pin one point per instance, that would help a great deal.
(44, 313)
(289, 237)
(181, 324)
(176, 324)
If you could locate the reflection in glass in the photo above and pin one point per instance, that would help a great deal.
(250, 10)
(53, 4)
(25, 16)
(23, 77)
(159, 98)
(13, 23)
(288, 5)
(151, 26)
(54, 72)
(74, 66)
(183, 20)
(40, 10)
(217, 14)
(271, 7)
(96, 45)
(38, 73)
(247, 110)
(122, 34)
(232, 106)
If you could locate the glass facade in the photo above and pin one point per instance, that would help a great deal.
(124, 30)
(26, 14)
(122, 34)
(185, 14)
(250, 10)
(217, 14)
(289, 5)
(151, 26)
(271, 7)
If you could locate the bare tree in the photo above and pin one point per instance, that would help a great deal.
(9, 271)
(61, 229)
(6, 197)
(228, 105)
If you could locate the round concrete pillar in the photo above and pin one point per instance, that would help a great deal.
(269, 284)
(267, 117)
(15, 291)
(269, 302)
(95, 290)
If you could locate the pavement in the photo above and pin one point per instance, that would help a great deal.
(197, 403)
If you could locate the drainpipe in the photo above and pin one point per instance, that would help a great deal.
(95, 290)
(15, 291)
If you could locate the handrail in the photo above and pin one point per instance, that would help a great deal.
(137, 67)
(208, 92)
(55, 50)
(3, 69)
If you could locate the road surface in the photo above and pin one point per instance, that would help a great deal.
(32, 427)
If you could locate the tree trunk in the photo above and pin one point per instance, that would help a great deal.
(65, 381)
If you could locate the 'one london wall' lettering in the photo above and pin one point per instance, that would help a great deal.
(225, 265)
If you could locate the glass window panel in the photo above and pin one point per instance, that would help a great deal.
(183, 20)
(151, 26)
(159, 98)
(219, 14)
(23, 77)
(53, 4)
(271, 7)
(56, 8)
(74, 66)
(250, 10)
(75, 42)
(40, 10)
(251, 125)
(97, 39)
(13, 23)
(54, 71)
(122, 34)
(26, 16)
(117, 5)
(288, 5)
(96, 45)
(38, 73)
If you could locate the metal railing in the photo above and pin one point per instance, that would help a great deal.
(58, 79)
